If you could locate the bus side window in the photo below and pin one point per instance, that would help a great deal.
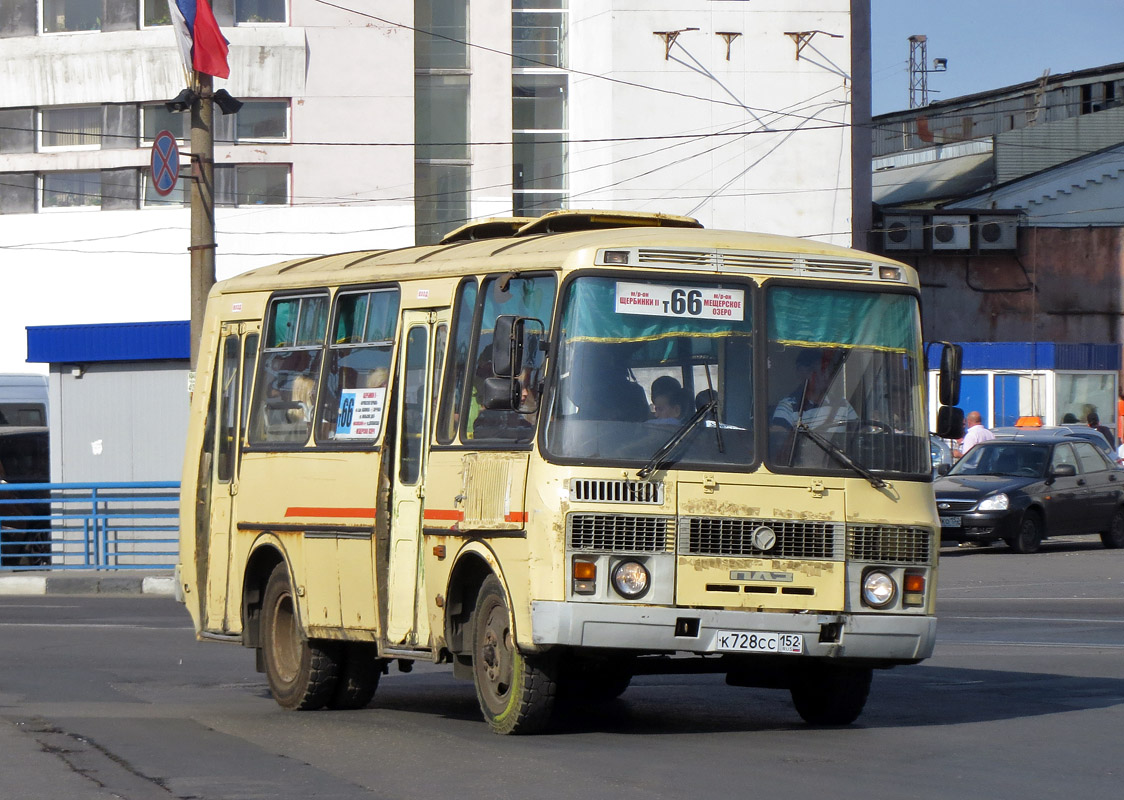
(449, 412)
(290, 365)
(523, 296)
(353, 397)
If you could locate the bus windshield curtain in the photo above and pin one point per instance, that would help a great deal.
(835, 318)
(591, 316)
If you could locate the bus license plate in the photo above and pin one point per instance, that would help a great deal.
(950, 522)
(759, 642)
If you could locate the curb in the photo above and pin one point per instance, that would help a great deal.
(87, 583)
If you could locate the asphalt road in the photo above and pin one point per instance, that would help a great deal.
(111, 697)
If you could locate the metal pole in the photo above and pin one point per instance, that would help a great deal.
(202, 205)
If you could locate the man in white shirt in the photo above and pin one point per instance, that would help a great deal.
(975, 434)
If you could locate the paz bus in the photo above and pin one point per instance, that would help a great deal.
(558, 453)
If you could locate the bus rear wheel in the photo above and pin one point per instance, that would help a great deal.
(302, 674)
(831, 694)
(359, 671)
(516, 691)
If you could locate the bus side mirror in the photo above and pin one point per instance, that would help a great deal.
(500, 393)
(948, 384)
(950, 422)
(507, 346)
(516, 344)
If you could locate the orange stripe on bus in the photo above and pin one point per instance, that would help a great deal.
(365, 513)
(442, 513)
(516, 516)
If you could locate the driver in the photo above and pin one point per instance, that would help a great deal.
(816, 400)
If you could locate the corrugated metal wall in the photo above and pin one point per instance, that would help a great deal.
(118, 421)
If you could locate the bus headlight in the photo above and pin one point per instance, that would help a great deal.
(631, 579)
(879, 589)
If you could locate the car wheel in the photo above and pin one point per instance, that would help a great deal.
(1113, 538)
(1028, 538)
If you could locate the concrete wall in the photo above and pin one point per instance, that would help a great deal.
(749, 156)
(1079, 297)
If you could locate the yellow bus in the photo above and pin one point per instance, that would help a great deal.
(558, 453)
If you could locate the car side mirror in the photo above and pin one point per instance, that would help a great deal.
(1064, 471)
(943, 469)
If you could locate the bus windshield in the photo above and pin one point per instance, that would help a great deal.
(637, 357)
(843, 373)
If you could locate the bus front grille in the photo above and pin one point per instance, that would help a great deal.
(889, 544)
(616, 533)
(722, 536)
(588, 490)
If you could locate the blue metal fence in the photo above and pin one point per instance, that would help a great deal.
(89, 525)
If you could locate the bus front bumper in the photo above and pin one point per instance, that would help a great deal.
(882, 637)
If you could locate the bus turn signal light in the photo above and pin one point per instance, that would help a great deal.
(585, 577)
(914, 594)
(585, 571)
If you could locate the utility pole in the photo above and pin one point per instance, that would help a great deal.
(202, 246)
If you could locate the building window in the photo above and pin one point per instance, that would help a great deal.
(251, 12)
(71, 190)
(538, 107)
(256, 121)
(538, 33)
(71, 128)
(156, 13)
(252, 185)
(179, 196)
(440, 200)
(441, 116)
(156, 118)
(441, 39)
(69, 16)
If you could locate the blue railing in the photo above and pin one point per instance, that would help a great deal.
(89, 525)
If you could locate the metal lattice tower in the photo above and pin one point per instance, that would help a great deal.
(918, 81)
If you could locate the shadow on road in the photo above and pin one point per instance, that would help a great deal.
(919, 696)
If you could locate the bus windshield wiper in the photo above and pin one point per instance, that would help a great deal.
(660, 457)
(838, 453)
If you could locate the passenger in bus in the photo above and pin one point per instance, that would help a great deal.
(301, 395)
(669, 404)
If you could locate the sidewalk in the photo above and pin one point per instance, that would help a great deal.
(89, 582)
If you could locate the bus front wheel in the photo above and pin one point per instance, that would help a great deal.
(831, 694)
(302, 674)
(516, 691)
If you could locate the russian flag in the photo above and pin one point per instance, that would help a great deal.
(203, 46)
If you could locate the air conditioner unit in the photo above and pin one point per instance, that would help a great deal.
(995, 232)
(951, 232)
(903, 232)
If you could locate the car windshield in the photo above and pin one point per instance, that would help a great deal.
(1015, 460)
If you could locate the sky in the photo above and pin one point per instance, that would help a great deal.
(989, 43)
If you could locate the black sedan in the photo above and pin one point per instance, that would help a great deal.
(1021, 491)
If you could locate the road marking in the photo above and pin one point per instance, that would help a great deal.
(1042, 619)
(1073, 645)
(87, 625)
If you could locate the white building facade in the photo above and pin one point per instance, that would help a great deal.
(381, 123)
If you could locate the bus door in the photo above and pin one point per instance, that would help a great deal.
(422, 351)
(235, 370)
